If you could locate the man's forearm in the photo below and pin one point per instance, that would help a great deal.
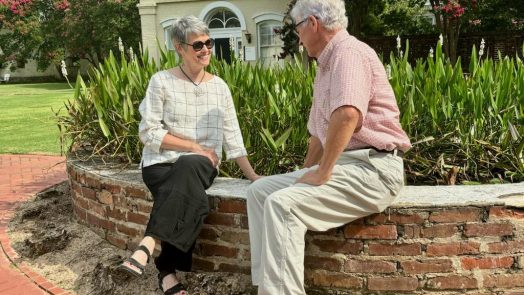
(314, 152)
(342, 124)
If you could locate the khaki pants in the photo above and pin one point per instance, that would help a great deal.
(280, 212)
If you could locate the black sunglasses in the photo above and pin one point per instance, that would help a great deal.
(198, 45)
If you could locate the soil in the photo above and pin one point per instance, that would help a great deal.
(47, 237)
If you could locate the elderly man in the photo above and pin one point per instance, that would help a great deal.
(353, 167)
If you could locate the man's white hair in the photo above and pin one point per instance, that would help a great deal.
(330, 13)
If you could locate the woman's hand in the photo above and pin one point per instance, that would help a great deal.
(254, 177)
(208, 153)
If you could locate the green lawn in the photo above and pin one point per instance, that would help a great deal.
(27, 123)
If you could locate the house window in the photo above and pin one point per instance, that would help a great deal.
(222, 19)
(270, 44)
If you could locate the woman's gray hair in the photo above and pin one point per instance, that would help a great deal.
(331, 13)
(185, 26)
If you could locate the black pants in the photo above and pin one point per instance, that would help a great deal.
(180, 205)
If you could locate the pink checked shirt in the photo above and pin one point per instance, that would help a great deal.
(350, 73)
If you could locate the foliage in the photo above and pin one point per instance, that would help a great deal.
(50, 31)
(496, 16)
(403, 18)
(472, 122)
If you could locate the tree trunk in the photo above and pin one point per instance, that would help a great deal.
(357, 10)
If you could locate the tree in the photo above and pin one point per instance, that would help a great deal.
(450, 15)
(496, 16)
(406, 17)
(50, 31)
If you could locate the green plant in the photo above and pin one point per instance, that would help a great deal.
(472, 121)
(466, 126)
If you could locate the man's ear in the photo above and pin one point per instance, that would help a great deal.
(314, 22)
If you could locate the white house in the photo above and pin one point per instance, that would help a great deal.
(249, 24)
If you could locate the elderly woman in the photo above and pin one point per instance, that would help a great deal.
(188, 116)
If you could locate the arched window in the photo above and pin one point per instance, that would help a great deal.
(223, 18)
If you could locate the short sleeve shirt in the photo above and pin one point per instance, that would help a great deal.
(351, 74)
(171, 106)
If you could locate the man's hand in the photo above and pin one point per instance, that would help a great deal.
(210, 154)
(314, 177)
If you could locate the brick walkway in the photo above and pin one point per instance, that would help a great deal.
(21, 177)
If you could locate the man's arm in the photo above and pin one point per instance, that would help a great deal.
(314, 152)
(341, 126)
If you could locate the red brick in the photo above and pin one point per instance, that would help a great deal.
(208, 233)
(112, 188)
(81, 202)
(145, 207)
(80, 213)
(506, 213)
(234, 268)
(203, 264)
(370, 266)
(235, 237)
(394, 249)
(76, 187)
(490, 229)
(126, 230)
(137, 218)
(98, 208)
(92, 182)
(411, 232)
(504, 281)
(119, 241)
(232, 206)
(105, 197)
(456, 215)
(105, 224)
(427, 266)
(452, 282)
(506, 247)
(221, 219)
(217, 250)
(322, 263)
(339, 246)
(384, 232)
(397, 218)
(439, 231)
(393, 284)
(117, 214)
(336, 280)
(453, 249)
(88, 193)
(469, 263)
(139, 193)
(244, 224)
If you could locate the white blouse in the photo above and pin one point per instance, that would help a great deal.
(172, 106)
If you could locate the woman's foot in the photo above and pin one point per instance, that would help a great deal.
(170, 285)
(138, 261)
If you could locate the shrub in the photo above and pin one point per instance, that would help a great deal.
(465, 126)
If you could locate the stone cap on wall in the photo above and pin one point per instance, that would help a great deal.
(511, 195)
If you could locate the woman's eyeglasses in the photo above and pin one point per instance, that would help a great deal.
(199, 45)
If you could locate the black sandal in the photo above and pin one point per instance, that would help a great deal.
(173, 290)
(135, 263)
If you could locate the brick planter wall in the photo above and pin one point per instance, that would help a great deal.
(416, 249)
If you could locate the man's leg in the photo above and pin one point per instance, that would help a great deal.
(356, 189)
(256, 196)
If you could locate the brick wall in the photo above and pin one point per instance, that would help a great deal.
(428, 250)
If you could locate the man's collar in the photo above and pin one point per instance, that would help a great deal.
(326, 52)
